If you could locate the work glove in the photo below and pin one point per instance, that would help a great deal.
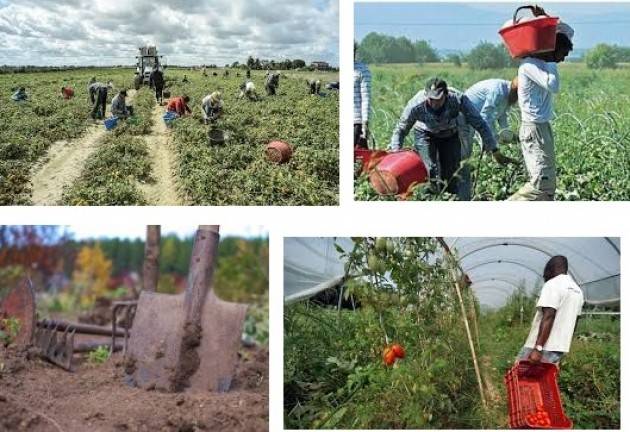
(506, 136)
(503, 159)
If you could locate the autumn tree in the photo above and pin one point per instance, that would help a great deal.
(91, 274)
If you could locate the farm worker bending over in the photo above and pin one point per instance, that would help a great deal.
(212, 105)
(362, 91)
(272, 81)
(248, 89)
(557, 311)
(98, 97)
(179, 105)
(156, 80)
(314, 86)
(538, 80)
(492, 98)
(67, 92)
(119, 108)
(433, 113)
(20, 95)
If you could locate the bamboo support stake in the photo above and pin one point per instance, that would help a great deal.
(453, 265)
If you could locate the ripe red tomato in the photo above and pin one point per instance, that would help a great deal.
(398, 350)
(388, 356)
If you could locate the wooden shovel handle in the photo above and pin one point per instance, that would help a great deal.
(150, 270)
(202, 264)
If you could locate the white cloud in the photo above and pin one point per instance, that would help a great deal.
(101, 32)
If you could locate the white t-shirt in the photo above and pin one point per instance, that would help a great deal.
(537, 82)
(565, 296)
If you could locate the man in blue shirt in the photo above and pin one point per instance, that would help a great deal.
(433, 113)
(492, 98)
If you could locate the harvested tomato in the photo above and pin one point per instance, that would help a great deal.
(389, 357)
(398, 350)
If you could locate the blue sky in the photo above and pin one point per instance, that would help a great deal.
(460, 26)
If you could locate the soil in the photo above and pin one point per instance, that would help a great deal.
(164, 190)
(65, 162)
(36, 396)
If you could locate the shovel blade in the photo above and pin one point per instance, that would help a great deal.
(19, 304)
(156, 341)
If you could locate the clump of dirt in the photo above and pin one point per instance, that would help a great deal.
(188, 361)
(36, 396)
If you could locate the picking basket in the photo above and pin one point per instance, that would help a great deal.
(530, 387)
(368, 158)
(397, 172)
(531, 36)
(110, 123)
(278, 152)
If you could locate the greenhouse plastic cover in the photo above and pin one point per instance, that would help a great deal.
(496, 266)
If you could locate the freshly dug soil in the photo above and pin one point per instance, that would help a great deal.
(36, 396)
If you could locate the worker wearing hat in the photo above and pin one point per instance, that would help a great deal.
(433, 113)
(538, 81)
(493, 98)
(212, 106)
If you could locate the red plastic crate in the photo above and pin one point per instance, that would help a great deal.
(532, 385)
(530, 36)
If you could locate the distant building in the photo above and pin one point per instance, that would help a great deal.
(320, 65)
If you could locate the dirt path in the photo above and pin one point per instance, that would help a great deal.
(65, 160)
(38, 397)
(164, 190)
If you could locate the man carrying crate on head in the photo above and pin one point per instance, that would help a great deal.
(557, 311)
(538, 81)
(362, 93)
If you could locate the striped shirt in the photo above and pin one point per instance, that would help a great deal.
(362, 90)
(442, 123)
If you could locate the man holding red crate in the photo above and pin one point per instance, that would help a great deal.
(557, 311)
(538, 81)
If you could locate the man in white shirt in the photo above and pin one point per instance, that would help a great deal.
(557, 311)
(538, 81)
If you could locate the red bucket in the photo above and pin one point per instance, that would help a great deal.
(279, 151)
(368, 158)
(528, 37)
(397, 172)
(531, 388)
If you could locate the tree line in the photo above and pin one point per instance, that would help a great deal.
(382, 48)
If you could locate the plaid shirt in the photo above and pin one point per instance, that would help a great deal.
(443, 123)
(362, 90)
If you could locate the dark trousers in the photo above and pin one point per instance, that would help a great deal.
(445, 153)
(271, 90)
(98, 110)
(158, 93)
(359, 141)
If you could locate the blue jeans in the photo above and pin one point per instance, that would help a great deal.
(547, 356)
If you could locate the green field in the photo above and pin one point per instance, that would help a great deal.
(122, 162)
(591, 127)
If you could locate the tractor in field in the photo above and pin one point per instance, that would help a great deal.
(145, 62)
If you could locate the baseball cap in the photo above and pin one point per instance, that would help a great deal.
(435, 88)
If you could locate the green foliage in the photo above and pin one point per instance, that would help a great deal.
(99, 355)
(602, 56)
(111, 174)
(455, 59)
(9, 329)
(591, 131)
(381, 48)
(256, 327)
(238, 172)
(29, 128)
(334, 374)
(488, 56)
